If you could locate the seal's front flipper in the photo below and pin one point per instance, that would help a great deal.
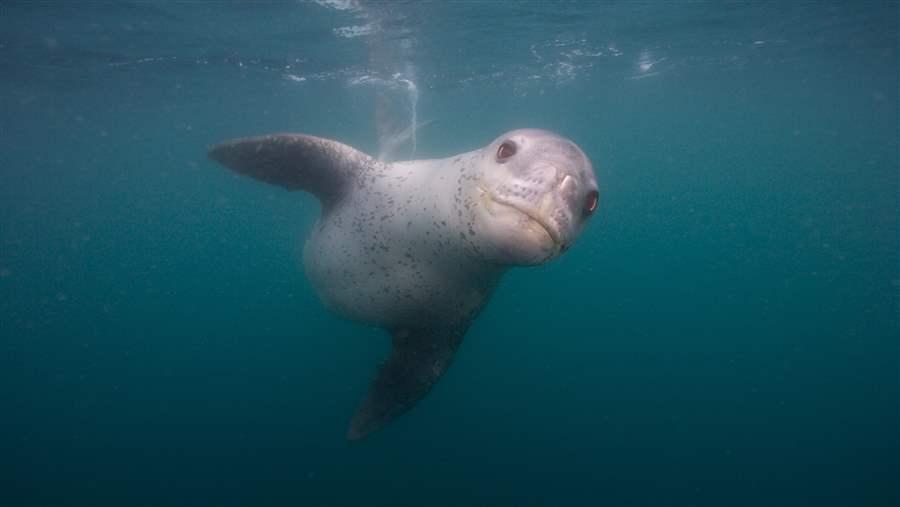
(323, 167)
(417, 361)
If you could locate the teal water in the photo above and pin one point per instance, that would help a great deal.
(725, 332)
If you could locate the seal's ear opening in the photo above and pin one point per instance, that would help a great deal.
(320, 166)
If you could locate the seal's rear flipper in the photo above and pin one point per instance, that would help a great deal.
(323, 167)
(417, 361)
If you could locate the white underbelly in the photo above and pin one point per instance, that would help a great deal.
(386, 284)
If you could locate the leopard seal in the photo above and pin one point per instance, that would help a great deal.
(418, 247)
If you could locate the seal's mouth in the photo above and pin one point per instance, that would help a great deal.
(532, 215)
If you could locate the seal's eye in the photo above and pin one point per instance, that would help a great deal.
(590, 203)
(506, 150)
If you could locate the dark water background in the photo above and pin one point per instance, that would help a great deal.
(724, 334)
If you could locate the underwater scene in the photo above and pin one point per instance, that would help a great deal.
(470, 253)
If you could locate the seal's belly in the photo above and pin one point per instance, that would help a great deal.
(385, 283)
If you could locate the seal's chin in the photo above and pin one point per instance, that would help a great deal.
(533, 216)
(520, 235)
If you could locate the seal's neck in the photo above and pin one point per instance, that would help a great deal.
(452, 184)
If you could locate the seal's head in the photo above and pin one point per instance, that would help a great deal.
(535, 192)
